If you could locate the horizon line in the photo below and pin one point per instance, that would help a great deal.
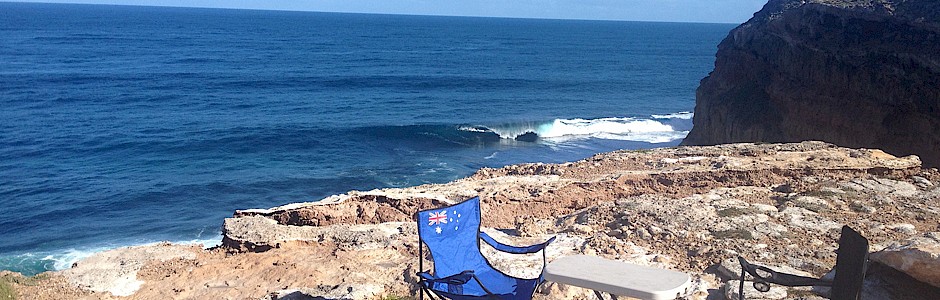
(362, 13)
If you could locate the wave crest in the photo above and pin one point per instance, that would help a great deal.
(658, 129)
(684, 115)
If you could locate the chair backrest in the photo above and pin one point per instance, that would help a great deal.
(452, 235)
(851, 263)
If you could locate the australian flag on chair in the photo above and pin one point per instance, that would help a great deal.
(453, 235)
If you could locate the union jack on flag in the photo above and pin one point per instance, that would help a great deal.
(438, 218)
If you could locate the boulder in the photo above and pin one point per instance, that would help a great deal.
(918, 257)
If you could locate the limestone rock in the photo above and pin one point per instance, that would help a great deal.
(115, 271)
(259, 234)
(802, 217)
(903, 228)
(685, 215)
(922, 182)
(918, 257)
(582, 229)
(730, 268)
(732, 286)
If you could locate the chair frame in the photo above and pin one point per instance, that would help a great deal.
(851, 265)
(425, 279)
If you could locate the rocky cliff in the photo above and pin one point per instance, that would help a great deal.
(692, 209)
(857, 73)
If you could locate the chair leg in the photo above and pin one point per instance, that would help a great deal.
(601, 295)
(431, 294)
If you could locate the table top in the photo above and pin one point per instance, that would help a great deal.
(617, 277)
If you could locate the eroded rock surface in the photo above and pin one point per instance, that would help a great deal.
(687, 208)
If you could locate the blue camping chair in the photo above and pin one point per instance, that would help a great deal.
(453, 236)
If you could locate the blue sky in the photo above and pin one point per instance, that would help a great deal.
(713, 11)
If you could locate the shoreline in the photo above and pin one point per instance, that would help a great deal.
(625, 205)
(32, 262)
(63, 259)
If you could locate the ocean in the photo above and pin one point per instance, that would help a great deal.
(127, 125)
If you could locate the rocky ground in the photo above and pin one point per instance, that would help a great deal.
(692, 209)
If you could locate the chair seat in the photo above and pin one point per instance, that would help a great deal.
(496, 282)
(522, 290)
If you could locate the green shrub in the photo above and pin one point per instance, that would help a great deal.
(6, 290)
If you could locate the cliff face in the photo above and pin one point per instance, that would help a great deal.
(854, 73)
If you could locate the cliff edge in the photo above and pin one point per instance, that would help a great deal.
(854, 73)
(691, 209)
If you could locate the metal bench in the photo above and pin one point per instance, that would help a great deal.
(617, 278)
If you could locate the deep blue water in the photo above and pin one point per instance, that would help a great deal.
(126, 125)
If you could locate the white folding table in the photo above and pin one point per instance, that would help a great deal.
(617, 278)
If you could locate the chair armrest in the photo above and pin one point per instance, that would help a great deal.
(765, 274)
(456, 279)
(513, 249)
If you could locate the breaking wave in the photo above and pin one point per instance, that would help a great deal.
(657, 129)
(684, 115)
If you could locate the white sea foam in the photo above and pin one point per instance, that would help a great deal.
(472, 129)
(45, 261)
(64, 260)
(60, 260)
(631, 129)
(206, 243)
(685, 115)
(606, 126)
(34, 263)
